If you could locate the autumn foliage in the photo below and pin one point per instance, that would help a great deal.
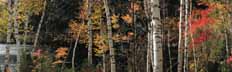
(202, 22)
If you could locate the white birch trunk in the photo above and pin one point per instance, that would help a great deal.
(186, 37)
(16, 32)
(9, 32)
(155, 35)
(109, 28)
(180, 54)
(39, 26)
(90, 33)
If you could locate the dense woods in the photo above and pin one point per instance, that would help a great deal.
(115, 36)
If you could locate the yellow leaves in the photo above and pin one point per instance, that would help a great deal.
(115, 26)
(118, 38)
(100, 43)
(76, 28)
(114, 19)
(217, 5)
(128, 19)
(61, 52)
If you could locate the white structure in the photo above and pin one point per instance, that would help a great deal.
(14, 52)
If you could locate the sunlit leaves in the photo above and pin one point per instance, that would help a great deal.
(76, 28)
(128, 19)
(61, 52)
(3, 21)
(114, 21)
(33, 6)
(101, 43)
(114, 18)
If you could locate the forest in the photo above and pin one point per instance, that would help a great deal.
(115, 36)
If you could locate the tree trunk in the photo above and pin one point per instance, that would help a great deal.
(110, 41)
(169, 52)
(90, 27)
(25, 33)
(186, 37)
(75, 47)
(9, 32)
(148, 62)
(16, 32)
(39, 26)
(102, 33)
(157, 60)
(180, 54)
(73, 55)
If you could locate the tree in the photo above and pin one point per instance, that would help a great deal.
(9, 32)
(180, 54)
(186, 37)
(156, 44)
(110, 41)
(39, 25)
(90, 33)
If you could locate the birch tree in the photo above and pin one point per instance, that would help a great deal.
(90, 33)
(9, 32)
(39, 25)
(186, 37)
(110, 41)
(16, 26)
(149, 45)
(180, 54)
(156, 37)
(16, 31)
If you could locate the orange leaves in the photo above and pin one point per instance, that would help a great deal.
(128, 19)
(58, 62)
(130, 33)
(61, 52)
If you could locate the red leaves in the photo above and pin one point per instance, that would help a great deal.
(229, 60)
(37, 53)
(198, 20)
(201, 21)
(203, 37)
